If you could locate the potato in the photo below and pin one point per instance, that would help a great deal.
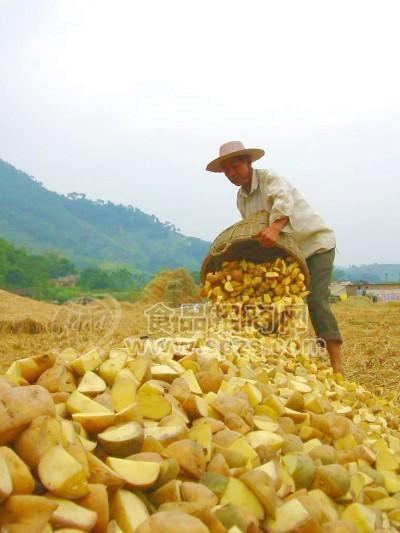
(43, 433)
(210, 381)
(333, 479)
(169, 470)
(57, 379)
(113, 527)
(238, 494)
(123, 393)
(136, 474)
(101, 473)
(110, 367)
(153, 406)
(128, 510)
(26, 513)
(293, 516)
(172, 522)
(97, 501)
(6, 485)
(70, 514)
(94, 422)
(61, 474)
(79, 403)
(131, 413)
(195, 407)
(195, 492)
(164, 373)
(30, 368)
(166, 434)
(19, 406)
(91, 384)
(86, 362)
(22, 480)
(263, 487)
(122, 440)
(168, 492)
(189, 455)
(180, 389)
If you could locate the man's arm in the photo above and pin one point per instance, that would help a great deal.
(269, 236)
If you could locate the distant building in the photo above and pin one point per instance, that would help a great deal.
(65, 281)
(385, 292)
(340, 289)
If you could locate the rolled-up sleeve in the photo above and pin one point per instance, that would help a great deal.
(280, 194)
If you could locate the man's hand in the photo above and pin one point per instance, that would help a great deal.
(268, 236)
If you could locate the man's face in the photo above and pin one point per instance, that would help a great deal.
(238, 170)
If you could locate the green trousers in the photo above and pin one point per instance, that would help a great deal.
(323, 320)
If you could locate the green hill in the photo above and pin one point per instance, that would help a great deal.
(89, 232)
(374, 273)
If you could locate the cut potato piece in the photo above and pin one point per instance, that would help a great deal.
(57, 379)
(153, 406)
(91, 383)
(86, 362)
(94, 422)
(136, 474)
(101, 473)
(26, 514)
(61, 474)
(263, 487)
(166, 434)
(21, 477)
(189, 455)
(172, 522)
(19, 406)
(128, 510)
(364, 518)
(293, 516)
(97, 501)
(70, 514)
(164, 372)
(196, 492)
(270, 440)
(202, 434)
(168, 492)
(43, 433)
(131, 413)
(239, 494)
(79, 403)
(113, 527)
(123, 393)
(109, 369)
(191, 380)
(6, 485)
(124, 440)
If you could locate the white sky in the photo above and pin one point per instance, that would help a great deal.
(127, 101)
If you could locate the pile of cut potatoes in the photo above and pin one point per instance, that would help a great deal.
(268, 295)
(182, 436)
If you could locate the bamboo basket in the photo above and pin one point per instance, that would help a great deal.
(238, 242)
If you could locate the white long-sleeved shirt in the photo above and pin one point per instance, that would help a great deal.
(279, 198)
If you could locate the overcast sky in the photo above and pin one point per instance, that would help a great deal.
(128, 100)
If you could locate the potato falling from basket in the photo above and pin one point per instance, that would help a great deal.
(263, 295)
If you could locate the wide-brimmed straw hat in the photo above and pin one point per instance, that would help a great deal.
(233, 149)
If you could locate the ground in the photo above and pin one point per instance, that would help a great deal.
(371, 332)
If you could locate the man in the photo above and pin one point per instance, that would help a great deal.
(288, 212)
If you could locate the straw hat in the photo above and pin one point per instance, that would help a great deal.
(233, 149)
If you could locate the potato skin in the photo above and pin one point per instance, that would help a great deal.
(19, 406)
(172, 522)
